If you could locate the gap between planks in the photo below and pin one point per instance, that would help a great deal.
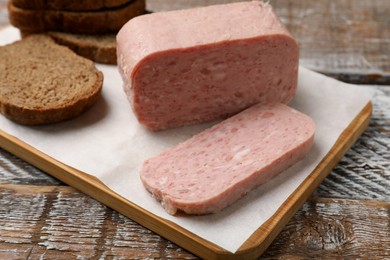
(73, 224)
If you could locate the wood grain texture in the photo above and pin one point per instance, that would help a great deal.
(57, 222)
(364, 172)
(16, 171)
(333, 229)
(3, 14)
(43, 223)
(346, 219)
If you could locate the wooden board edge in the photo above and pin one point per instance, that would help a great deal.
(263, 237)
(93, 187)
(252, 248)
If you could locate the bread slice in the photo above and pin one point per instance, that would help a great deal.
(92, 22)
(77, 6)
(42, 82)
(99, 48)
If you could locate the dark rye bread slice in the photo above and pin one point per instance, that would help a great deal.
(99, 48)
(89, 22)
(42, 82)
(78, 6)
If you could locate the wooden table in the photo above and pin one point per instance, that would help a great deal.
(347, 217)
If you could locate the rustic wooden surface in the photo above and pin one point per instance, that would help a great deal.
(347, 39)
(347, 217)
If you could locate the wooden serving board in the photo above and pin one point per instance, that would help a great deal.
(252, 248)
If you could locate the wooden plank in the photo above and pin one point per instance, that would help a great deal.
(253, 247)
(61, 223)
(337, 36)
(93, 187)
(364, 172)
(16, 171)
(3, 14)
(352, 163)
(335, 228)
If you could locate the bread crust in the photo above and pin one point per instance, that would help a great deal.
(99, 48)
(26, 114)
(93, 22)
(93, 48)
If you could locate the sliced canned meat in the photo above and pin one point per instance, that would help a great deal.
(220, 165)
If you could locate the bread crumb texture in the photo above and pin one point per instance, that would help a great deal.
(38, 76)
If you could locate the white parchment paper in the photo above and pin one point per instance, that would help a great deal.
(108, 142)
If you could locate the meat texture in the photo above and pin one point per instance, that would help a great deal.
(197, 65)
(221, 164)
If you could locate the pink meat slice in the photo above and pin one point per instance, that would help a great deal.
(197, 65)
(221, 164)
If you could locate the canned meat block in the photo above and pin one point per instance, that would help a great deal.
(197, 65)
